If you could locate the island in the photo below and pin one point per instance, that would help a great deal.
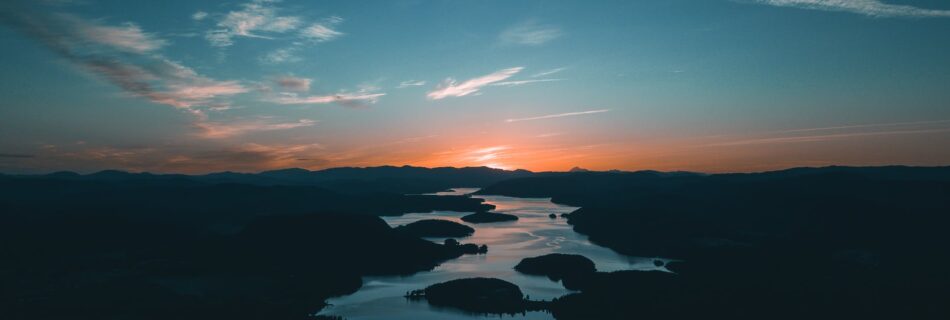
(468, 248)
(477, 295)
(436, 228)
(486, 217)
(574, 270)
(557, 265)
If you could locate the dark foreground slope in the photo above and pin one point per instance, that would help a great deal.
(120, 250)
(801, 243)
(184, 200)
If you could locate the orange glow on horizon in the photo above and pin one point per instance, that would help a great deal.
(511, 148)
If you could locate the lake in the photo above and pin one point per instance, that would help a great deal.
(534, 234)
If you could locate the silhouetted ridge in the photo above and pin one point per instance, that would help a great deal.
(405, 179)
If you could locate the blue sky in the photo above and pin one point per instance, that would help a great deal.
(712, 85)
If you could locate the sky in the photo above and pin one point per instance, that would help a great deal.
(700, 85)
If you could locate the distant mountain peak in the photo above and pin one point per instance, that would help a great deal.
(287, 171)
(111, 173)
(63, 174)
(578, 169)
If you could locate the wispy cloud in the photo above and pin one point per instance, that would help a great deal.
(529, 33)
(522, 82)
(261, 19)
(451, 88)
(875, 8)
(293, 83)
(218, 130)
(322, 31)
(282, 55)
(200, 15)
(488, 157)
(558, 115)
(548, 72)
(410, 83)
(200, 92)
(127, 37)
(346, 99)
(253, 20)
(164, 82)
(548, 135)
(124, 56)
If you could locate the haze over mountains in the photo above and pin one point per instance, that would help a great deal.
(404, 179)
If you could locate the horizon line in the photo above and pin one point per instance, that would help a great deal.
(87, 173)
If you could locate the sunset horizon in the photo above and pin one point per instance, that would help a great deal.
(566, 170)
(474, 160)
(261, 85)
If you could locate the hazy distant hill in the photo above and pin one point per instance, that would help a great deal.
(405, 179)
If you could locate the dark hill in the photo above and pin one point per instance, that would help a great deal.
(839, 241)
(201, 204)
(109, 267)
(133, 246)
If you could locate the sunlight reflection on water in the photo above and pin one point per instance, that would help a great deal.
(534, 234)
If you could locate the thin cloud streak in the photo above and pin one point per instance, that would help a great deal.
(522, 82)
(874, 8)
(342, 98)
(410, 83)
(559, 115)
(451, 88)
(322, 31)
(548, 135)
(548, 72)
(218, 130)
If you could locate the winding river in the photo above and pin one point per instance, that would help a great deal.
(534, 234)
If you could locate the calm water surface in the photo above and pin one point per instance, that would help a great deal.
(534, 234)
